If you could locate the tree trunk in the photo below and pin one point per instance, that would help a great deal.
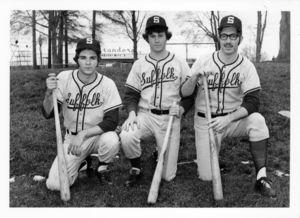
(284, 37)
(54, 40)
(134, 33)
(60, 39)
(258, 34)
(34, 40)
(94, 25)
(214, 30)
(49, 39)
(40, 39)
(66, 38)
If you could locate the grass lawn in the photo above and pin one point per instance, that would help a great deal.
(33, 148)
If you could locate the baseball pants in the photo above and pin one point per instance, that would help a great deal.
(153, 125)
(253, 126)
(105, 145)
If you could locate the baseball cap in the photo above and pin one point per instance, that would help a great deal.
(156, 21)
(88, 43)
(231, 21)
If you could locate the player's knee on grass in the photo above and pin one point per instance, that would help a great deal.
(257, 127)
(130, 143)
(52, 185)
(52, 182)
(204, 166)
(109, 146)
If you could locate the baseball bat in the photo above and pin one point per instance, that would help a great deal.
(215, 168)
(62, 165)
(153, 193)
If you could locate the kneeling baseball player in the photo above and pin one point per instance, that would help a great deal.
(152, 86)
(234, 86)
(90, 105)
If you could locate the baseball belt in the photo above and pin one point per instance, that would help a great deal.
(159, 112)
(212, 115)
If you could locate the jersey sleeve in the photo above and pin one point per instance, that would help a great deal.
(112, 98)
(133, 80)
(251, 80)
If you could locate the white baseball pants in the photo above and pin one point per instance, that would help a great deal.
(153, 125)
(253, 126)
(105, 145)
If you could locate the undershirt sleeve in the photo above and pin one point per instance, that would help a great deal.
(251, 102)
(110, 120)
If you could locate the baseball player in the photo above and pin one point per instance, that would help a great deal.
(90, 106)
(234, 87)
(152, 86)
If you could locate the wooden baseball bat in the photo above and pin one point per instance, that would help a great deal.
(153, 193)
(215, 168)
(62, 164)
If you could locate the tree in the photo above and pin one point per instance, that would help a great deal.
(132, 23)
(94, 25)
(49, 40)
(200, 25)
(25, 23)
(284, 37)
(260, 34)
(60, 39)
(33, 40)
(41, 40)
(65, 13)
(51, 24)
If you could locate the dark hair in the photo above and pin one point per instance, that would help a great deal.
(157, 29)
(78, 52)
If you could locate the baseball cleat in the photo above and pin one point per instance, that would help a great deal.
(263, 186)
(135, 175)
(87, 166)
(103, 174)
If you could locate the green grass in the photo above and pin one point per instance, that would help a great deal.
(33, 148)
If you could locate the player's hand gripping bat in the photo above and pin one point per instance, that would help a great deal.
(62, 165)
(153, 193)
(214, 159)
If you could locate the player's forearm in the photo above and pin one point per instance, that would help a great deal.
(238, 114)
(187, 103)
(90, 132)
(188, 86)
(48, 103)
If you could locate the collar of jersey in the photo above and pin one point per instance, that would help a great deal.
(221, 64)
(151, 59)
(76, 77)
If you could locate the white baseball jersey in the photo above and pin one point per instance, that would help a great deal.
(158, 82)
(227, 83)
(84, 105)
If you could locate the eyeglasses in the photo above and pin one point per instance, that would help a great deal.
(233, 36)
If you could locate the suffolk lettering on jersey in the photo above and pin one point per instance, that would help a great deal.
(84, 105)
(158, 81)
(227, 83)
